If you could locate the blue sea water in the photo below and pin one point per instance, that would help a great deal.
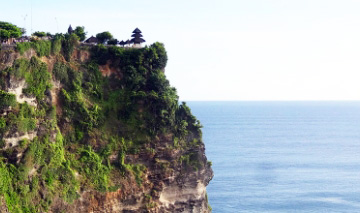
(282, 156)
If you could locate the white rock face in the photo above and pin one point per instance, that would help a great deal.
(172, 194)
(14, 141)
(16, 88)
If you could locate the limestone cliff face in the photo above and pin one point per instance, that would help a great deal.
(99, 132)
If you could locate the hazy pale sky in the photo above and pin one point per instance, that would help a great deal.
(227, 49)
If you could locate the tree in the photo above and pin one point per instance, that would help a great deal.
(23, 31)
(113, 42)
(39, 34)
(155, 56)
(68, 44)
(104, 36)
(8, 30)
(80, 32)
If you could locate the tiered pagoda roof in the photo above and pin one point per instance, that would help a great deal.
(137, 37)
(70, 30)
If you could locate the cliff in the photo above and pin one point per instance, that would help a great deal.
(96, 129)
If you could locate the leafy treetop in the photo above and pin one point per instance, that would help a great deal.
(8, 30)
(113, 41)
(104, 36)
(80, 32)
(39, 34)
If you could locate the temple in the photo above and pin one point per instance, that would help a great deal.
(137, 40)
(92, 40)
(70, 30)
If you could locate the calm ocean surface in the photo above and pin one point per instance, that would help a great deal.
(282, 156)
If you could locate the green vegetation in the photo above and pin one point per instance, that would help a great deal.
(35, 74)
(39, 34)
(25, 119)
(113, 41)
(21, 119)
(42, 48)
(97, 123)
(8, 30)
(104, 37)
(80, 32)
(59, 44)
(6, 100)
(94, 169)
(68, 44)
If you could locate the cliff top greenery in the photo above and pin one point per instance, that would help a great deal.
(91, 117)
(8, 30)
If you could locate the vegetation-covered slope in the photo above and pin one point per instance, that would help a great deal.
(95, 128)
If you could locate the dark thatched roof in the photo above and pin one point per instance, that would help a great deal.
(92, 39)
(137, 40)
(136, 31)
(136, 35)
(70, 29)
(122, 42)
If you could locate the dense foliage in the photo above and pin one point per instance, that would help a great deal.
(113, 42)
(39, 34)
(60, 43)
(6, 100)
(95, 117)
(80, 32)
(104, 37)
(8, 30)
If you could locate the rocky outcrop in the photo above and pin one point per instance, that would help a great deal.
(167, 187)
(9, 55)
(173, 175)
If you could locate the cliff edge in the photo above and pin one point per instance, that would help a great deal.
(96, 129)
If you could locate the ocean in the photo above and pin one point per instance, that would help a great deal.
(282, 156)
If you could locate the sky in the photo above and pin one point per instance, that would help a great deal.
(226, 49)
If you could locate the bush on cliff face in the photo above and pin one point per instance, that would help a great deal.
(6, 100)
(35, 74)
(61, 43)
(42, 48)
(25, 121)
(68, 45)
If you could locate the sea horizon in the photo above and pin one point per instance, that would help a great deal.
(282, 156)
(269, 100)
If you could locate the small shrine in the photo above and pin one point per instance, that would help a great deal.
(70, 30)
(137, 38)
(92, 40)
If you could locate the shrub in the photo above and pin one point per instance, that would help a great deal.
(104, 36)
(80, 32)
(93, 168)
(39, 34)
(38, 79)
(60, 72)
(68, 44)
(7, 100)
(56, 43)
(2, 123)
(42, 48)
(113, 42)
